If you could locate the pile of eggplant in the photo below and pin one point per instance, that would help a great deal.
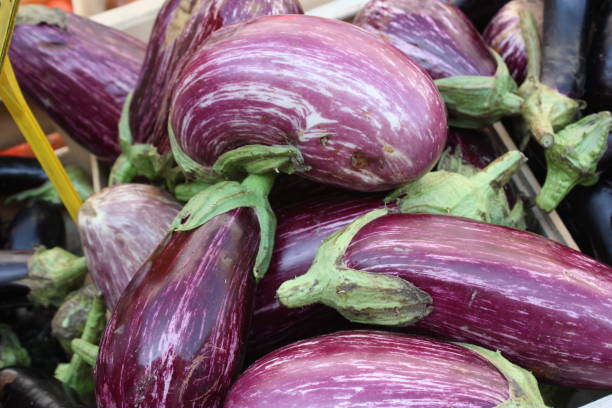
(311, 213)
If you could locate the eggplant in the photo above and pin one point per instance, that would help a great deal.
(180, 29)
(20, 173)
(177, 334)
(23, 387)
(69, 321)
(594, 213)
(599, 80)
(14, 265)
(314, 96)
(544, 305)
(120, 226)
(504, 35)
(78, 71)
(381, 369)
(38, 223)
(46, 192)
(479, 13)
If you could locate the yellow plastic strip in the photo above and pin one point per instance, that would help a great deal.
(8, 10)
(20, 111)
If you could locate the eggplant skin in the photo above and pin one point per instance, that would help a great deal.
(120, 226)
(504, 35)
(38, 223)
(545, 306)
(599, 81)
(436, 35)
(180, 28)
(369, 369)
(79, 72)
(362, 115)
(178, 332)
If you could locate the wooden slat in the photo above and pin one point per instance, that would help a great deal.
(88, 7)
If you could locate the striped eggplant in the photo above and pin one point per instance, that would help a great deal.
(318, 97)
(178, 332)
(380, 369)
(120, 226)
(180, 28)
(78, 71)
(443, 41)
(503, 34)
(544, 305)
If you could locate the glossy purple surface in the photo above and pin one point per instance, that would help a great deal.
(503, 34)
(544, 305)
(180, 28)
(302, 226)
(434, 34)
(120, 226)
(80, 75)
(359, 369)
(178, 332)
(363, 116)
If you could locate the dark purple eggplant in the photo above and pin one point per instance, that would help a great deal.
(23, 387)
(599, 79)
(595, 214)
(14, 265)
(504, 34)
(318, 97)
(19, 173)
(78, 71)
(479, 12)
(120, 226)
(379, 369)
(178, 332)
(180, 29)
(544, 305)
(38, 223)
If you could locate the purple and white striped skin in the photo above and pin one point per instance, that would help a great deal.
(545, 306)
(78, 71)
(371, 369)
(302, 226)
(362, 115)
(120, 226)
(180, 28)
(178, 332)
(504, 35)
(436, 35)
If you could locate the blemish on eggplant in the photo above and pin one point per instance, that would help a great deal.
(358, 160)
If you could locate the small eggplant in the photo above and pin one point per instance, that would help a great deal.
(318, 97)
(69, 321)
(120, 226)
(544, 305)
(378, 369)
(38, 223)
(19, 173)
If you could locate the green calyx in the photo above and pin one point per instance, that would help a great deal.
(573, 158)
(478, 101)
(229, 195)
(34, 14)
(87, 351)
(53, 273)
(11, 352)
(359, 296)
(523, 388)
(78, 374)
(478, 196)
(68, 322)
(47, 191)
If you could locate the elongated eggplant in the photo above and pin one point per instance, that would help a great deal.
(38, 223)
(599, 79)
(545, 306)
(187, 309)
(181, 27)
(505, 36)
(79, 71)
(313, 96)
(120, 226)
(381, 369)
(22, 387)
(479, 13)
(20, 173)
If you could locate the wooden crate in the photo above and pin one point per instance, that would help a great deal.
(137, 19)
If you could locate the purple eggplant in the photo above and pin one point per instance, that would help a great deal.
(318, 97)
(544, 305)
(504, 35)
(599, 79)
(120, 227)
(20, 173)
(181, 28)
(79, 72)
(380, 369)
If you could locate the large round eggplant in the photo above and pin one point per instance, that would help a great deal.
(544, 305)
(79, 71)
(504, 35)
(318, 97)
(377, 369)
(120, 226)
